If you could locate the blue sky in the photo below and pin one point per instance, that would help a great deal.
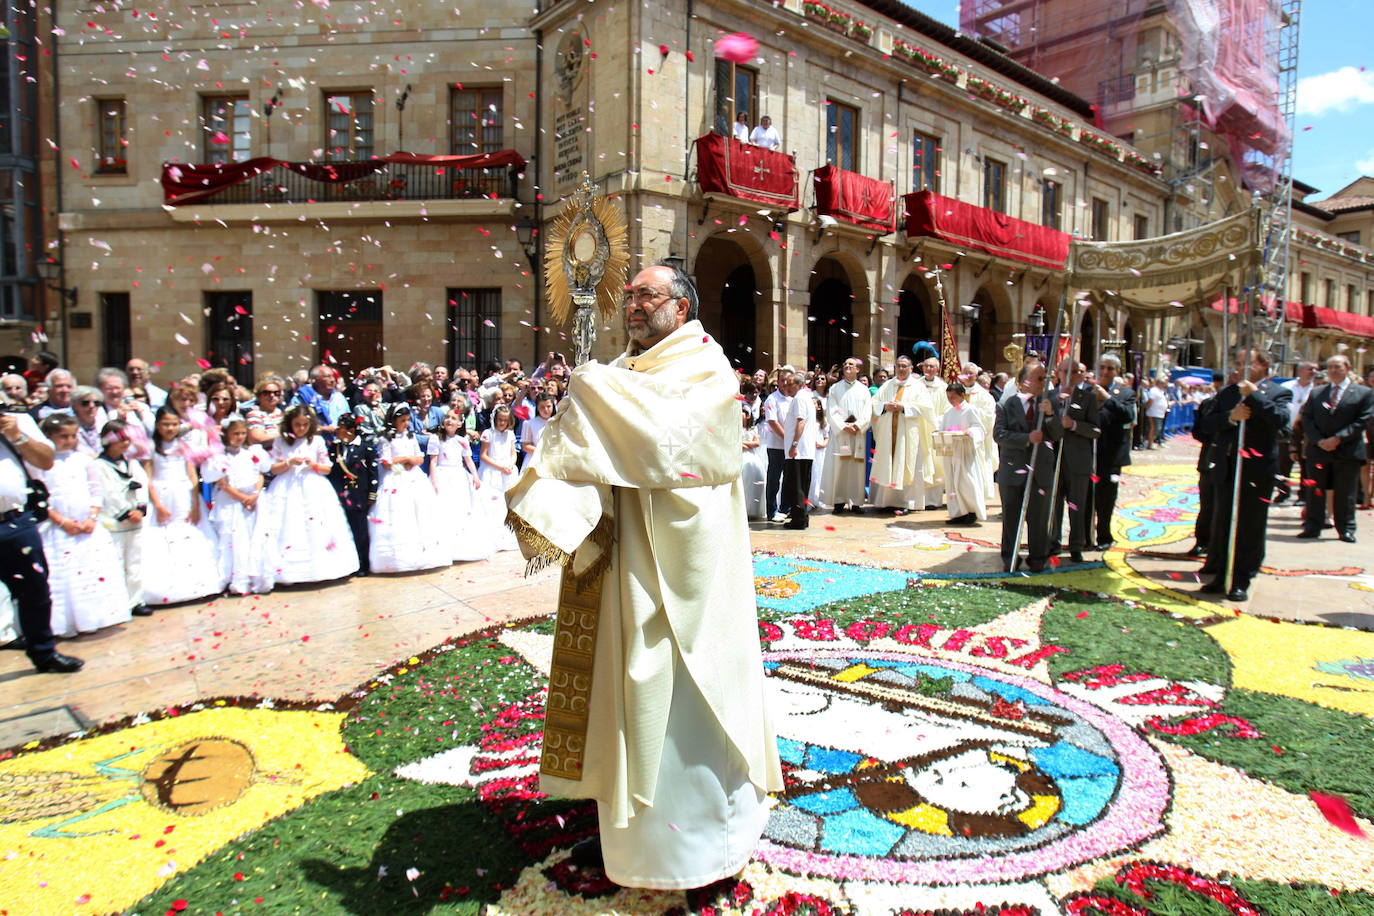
(1335, 122)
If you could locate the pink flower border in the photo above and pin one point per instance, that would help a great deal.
(1134, 815)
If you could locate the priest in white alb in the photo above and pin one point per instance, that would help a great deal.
(982, 401)
(904, 418)
(656, 704)
(965, 494)
(935, 470)
(849, 411)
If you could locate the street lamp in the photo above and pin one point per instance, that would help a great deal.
(50, 270)
(968, 314)
(527, 231)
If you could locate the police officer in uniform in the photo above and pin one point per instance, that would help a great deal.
(1264, 406)
(23, 567)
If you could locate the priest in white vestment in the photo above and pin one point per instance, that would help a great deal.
(904, 418)
(965, 491)
(656, 702)
(935, 471)
(982, 401)
(849, 411)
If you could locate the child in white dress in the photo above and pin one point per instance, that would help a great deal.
(455, 485)
(533, 428)
(237, 473)
(83, 569)
(124, 487)
(497, 474)
(301, 528)
(819, 501)
(405, 517)
(754, 475)
(181, 561)
(964, 475)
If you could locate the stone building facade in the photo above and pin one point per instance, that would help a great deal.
(410, 262)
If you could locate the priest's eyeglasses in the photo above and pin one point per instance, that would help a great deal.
(645, 295)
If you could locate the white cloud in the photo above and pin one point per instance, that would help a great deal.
(1365, 166)
(1340, 90)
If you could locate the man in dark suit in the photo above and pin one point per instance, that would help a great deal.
(1204, 430)
(1075, 405)
(1115, 414)
(1334, 420)
(1263, 404)
(353, 472)
(1016, 431)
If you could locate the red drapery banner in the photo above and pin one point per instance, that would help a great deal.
(970, 226)
(1295, 312)
(765, 176)
(1322, 318)
(184, 183)
(855, 198)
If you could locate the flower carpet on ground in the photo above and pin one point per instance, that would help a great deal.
(1080, 742)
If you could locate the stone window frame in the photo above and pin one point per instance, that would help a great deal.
(111, 135)
(226, 152)
(996, 175)
(485, 93)
(352, 148)
(835, 150)
(925, 175)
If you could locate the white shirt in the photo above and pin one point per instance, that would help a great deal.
(802, 407)
(741, 132)
(14, 475)
(766, 137)
(1301, 393)
(774, 408)
(1158, 404)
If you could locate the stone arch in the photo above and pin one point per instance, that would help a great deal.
(735, 286)
(916, 315)
(837, 311)
(989, 335)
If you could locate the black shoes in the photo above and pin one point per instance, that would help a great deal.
(587, 854)
(1348, 538)
(1075, 556)
(1307, 535)
(57, 663)
(1104, 546)
(1035, 565)
(1237, 594)
(143, 611)
(968, 518)
(1212, 588)
(1197, 550)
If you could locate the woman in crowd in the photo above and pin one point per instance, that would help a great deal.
(371, 413)
(237, 474)
(405, 518)
(264, 417)
(221, 405)
(425, 415)
(186, 565)
(301, 528)
(90, 418)
(454, 478)
(84, 573)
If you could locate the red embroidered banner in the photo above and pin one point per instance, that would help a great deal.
(854, 198)
(936, 216)
(184, 183)
(765, 176)
(949, 350)
(1322, 318)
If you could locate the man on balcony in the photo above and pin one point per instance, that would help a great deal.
(766, 135)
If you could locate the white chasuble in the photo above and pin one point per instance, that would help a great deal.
(986, 407)
(963, 467)
(846, 404)
(675, 743)
(934, 469)
(900, 450)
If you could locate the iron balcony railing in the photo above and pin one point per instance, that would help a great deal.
(393, 181)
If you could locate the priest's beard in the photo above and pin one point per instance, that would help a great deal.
(654, 326)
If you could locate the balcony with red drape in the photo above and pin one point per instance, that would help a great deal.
(854, 198)
(933, 215)
(742, 170)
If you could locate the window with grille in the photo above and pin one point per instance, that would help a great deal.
(1051, 204)
(348, 126)
(476, 121)
(925, 162)
(111, 141)
(225, 122)
(1142, 226)
(1099, 219)
(842, 135)
(1305, 288)
(737, 90)
(995, 185)
(230, 331)
(1330, 293)
(1352, 299)
(117, 346)
(474, 332)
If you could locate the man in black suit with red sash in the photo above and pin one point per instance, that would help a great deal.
(1334, 419)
